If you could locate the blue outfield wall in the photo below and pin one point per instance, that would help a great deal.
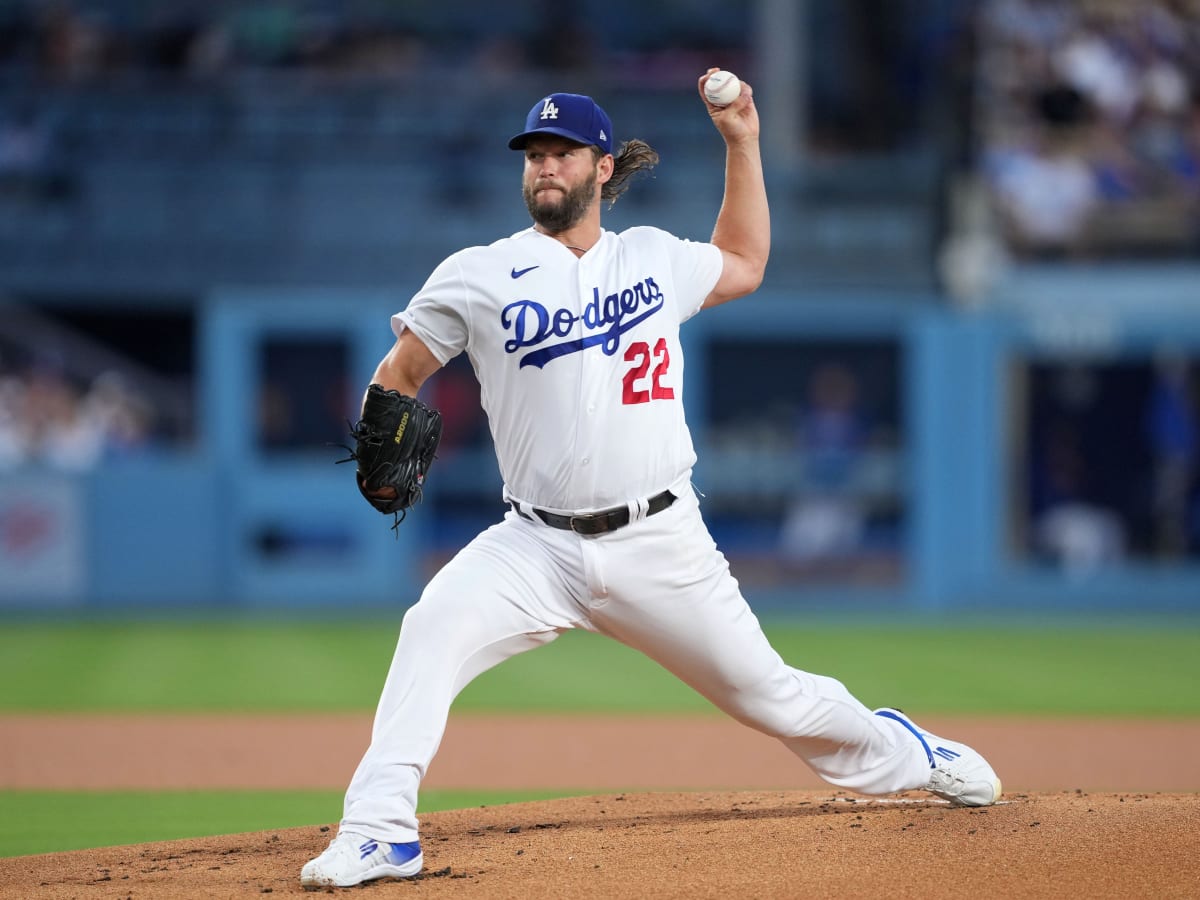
(185, 530)
(342, 554)
(153, 528)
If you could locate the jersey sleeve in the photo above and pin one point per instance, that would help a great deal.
(438, 313)
(696, 267)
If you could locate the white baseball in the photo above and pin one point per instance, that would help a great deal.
(722, 88)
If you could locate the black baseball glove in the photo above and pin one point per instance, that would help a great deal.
(396, 440)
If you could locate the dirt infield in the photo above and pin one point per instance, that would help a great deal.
(694, 807)
(697, 844)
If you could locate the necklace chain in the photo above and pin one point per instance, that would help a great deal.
(568, 246)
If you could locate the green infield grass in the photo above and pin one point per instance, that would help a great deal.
(53, 821)
(1107, 669)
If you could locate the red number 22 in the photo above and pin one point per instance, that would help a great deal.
(639, 353)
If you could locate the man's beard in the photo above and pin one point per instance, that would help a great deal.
(558, 217)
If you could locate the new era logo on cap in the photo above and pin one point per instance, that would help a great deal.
(573, 116)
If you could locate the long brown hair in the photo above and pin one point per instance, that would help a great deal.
(633, 157)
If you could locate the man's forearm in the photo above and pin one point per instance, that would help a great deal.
(744, 223)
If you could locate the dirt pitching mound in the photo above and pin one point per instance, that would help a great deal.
(699, 844)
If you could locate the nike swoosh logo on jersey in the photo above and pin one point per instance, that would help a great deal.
(517, 273)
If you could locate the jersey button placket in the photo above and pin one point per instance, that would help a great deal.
(592, 370)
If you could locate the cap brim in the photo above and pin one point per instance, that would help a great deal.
(518, 142)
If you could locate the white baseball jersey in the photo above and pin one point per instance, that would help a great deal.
(578, 359)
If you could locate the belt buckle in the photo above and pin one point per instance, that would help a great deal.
(586, 523)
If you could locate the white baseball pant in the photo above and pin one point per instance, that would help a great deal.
(658, 585)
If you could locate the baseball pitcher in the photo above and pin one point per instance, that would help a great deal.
(573, 333)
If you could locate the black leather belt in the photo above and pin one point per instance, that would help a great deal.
(598, 522)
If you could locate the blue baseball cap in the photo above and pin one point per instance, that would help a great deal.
(573, 116)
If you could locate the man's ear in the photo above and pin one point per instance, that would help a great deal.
(604, 168)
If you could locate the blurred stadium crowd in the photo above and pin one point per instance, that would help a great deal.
(48, 420)
(1089, 125)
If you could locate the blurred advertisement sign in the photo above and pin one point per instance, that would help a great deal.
(41, 541)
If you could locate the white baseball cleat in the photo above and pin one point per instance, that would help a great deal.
(957, 773)
(351, 859)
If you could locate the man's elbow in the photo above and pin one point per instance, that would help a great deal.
(746, 270)
(730, 289)
(750, 275)
(757, 274)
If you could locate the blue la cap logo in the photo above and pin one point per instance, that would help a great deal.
(573, 116)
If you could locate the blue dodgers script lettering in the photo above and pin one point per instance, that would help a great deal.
(604, 319)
